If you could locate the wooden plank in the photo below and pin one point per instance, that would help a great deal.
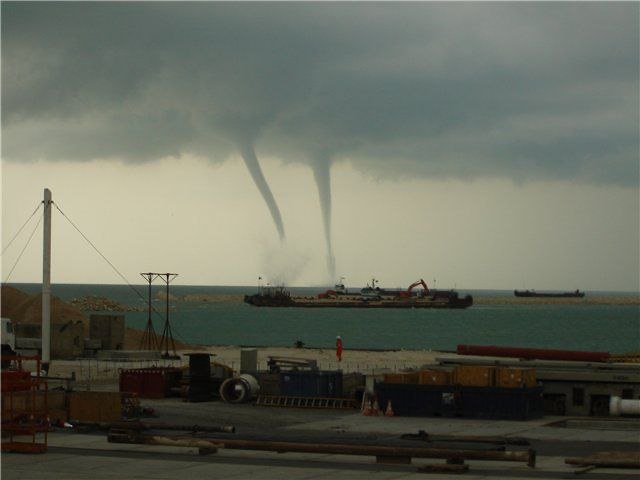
(608, 460)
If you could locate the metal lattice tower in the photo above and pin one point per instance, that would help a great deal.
(149, 339)
(167, 335)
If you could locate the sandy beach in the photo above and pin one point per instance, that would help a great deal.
(100, 371)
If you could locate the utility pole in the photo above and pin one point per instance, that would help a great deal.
(46, 281)
(149, 339)
(166, 333)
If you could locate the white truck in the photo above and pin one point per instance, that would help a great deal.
(8, 340)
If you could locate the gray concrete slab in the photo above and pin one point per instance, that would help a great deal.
(90, 456)
(534, 429)
(241, 465)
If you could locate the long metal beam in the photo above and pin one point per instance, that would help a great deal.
(528, 456)
(494, 439)
(137, 426)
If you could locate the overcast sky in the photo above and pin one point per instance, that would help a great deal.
(481, 145)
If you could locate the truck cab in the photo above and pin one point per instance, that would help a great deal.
(8, 338)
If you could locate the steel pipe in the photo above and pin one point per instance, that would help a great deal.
(498, 440)
(622, 406)
(528, 456)
(608, 460)
(529, 353)
(239, 389)
(139, 426)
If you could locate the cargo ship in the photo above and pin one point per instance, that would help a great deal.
(371, 296)
(533, 293)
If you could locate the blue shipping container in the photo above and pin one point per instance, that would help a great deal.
(311, 384)
(472, 402)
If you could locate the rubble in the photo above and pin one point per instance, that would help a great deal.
(102, 304)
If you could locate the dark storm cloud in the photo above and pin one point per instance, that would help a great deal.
(526, 91)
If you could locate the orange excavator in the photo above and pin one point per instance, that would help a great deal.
(414, 285)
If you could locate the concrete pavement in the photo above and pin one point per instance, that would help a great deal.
(90, 456)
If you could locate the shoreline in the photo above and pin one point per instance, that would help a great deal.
(103, 373)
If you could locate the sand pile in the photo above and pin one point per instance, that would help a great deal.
(133, 339)
(10, 299)
(25, 309)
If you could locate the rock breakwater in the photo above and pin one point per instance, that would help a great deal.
(94, 303)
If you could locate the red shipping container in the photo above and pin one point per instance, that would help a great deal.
(154, 382)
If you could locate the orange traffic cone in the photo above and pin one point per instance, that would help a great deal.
(363, 403)
(389, 411)
(367, 410)
(376, 408)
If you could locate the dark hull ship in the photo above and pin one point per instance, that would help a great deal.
(533, 293)
(369, 297)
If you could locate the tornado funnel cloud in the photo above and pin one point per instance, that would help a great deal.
(251, 161)
(321, 174)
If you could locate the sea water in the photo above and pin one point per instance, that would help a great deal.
(612, 328)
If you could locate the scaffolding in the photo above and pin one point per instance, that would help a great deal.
(25, 409)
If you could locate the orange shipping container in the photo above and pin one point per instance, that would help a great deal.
(25, 400)
(393, 378)
(474, 376)
(515, 377)
(95, 406)
(410, 378)
(434, 377)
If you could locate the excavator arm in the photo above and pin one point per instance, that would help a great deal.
(415, 284)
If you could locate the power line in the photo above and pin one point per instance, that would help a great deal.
(20, 229)
(107, 260)
(23, 249)
(99, 252)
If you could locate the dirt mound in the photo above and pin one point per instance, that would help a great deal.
(26, 309)
(133, 339)
(10, 299)
(23, 308)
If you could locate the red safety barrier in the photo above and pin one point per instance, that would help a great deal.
(533, 353)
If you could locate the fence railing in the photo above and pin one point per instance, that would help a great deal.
(92, 370)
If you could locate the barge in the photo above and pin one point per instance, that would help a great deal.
(533, 293)
(368, 297)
